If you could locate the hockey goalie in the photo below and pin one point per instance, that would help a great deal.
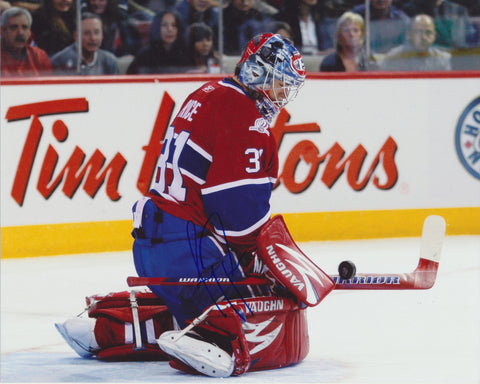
(207, 218)
(204, 232)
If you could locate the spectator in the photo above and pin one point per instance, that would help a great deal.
(94, 61)
(452, 22)
(242, 22)
(165, 52)
(200, 49)
(54, 24)
(281, 28)
(195, 11)
(120, 36)
(388, 25)
(349, 55)
(18, 57)
(305, 19)
(418, 54)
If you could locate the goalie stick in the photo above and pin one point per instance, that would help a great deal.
(423, 277)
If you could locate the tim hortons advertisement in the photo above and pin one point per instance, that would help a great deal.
(73, 152)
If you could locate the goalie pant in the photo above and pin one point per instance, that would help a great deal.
(273, 333)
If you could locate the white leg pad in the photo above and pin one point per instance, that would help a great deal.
(78, 332)
(206, 358)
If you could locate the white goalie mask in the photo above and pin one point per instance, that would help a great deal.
(273, 67)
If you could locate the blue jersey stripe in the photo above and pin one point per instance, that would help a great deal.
(193, 163)
(238, 210)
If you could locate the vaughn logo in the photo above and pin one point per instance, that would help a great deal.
(467, 138)
(260, 334)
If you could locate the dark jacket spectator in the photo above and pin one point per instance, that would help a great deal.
(201, 55)
(298, 12)
(54, 24)
(166, 51)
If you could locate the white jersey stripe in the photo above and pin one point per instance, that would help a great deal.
(234, 87)
(250, 229)
(184, 172)
(238, 183)
(200, 150)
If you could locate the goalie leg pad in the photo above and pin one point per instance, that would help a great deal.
(203, 356)
(272, 334)
(121, 326)
(274, 331)
(290, 266)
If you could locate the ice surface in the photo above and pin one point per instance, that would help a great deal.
(430, 336)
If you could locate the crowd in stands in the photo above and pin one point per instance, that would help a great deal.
(39, 37)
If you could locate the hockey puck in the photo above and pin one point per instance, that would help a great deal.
(346, 270)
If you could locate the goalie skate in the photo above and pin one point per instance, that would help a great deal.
(204, 357)
(78, 333)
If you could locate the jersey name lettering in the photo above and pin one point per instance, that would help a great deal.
(189, 109)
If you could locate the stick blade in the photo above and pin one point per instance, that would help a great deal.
(431, 244)
(433, 235)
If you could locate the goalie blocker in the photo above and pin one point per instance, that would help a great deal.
(290, 266)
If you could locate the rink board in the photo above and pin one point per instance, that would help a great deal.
(361, 156)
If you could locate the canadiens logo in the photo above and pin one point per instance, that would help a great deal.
(298, 64)
(208, 88)
(261, 125)
(467, 138)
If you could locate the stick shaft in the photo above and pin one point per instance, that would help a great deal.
(423, 277)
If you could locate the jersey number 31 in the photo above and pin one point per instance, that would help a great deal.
(175, 144)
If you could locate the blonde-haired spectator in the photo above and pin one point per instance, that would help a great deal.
(349, 55)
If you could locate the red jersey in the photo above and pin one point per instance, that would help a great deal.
(34, 63)
(219, 163)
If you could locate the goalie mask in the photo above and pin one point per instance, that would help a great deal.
(273, 69)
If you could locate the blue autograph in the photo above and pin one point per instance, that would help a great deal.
(229, 264)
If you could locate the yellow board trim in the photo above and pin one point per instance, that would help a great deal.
(107, 236)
